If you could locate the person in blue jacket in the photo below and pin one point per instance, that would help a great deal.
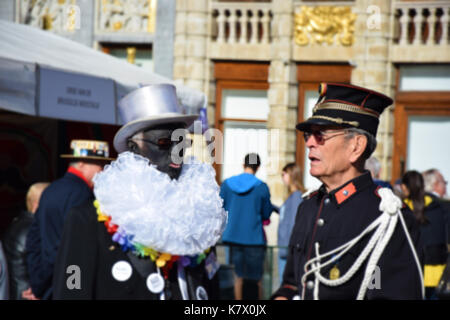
(71, 190)
(292, 178)
(247, 200)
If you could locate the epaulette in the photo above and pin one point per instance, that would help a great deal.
(378, 195)
(309, 194)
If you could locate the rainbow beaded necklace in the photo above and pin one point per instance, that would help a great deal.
(126, 242)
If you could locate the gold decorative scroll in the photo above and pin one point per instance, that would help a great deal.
(126, 16)
(131, 55)
(151, 20)
(324, 24)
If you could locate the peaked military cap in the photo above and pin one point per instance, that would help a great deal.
(348, 106)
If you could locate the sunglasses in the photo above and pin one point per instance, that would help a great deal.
(165, 143)
(162, 143)
(322, 135)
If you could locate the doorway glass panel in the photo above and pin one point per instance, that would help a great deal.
(429, 144)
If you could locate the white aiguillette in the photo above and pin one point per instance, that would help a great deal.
(122, 270)
(201, 293)
(155, 283)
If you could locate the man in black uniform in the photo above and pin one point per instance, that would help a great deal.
(150, 231)
(349, 240)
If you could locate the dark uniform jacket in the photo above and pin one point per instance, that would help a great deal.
(87, 244)
(334, 218)
(434, 233)
(45, 232)
(14, 247)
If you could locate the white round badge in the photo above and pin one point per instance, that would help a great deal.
(201, 293)
(155, 283)
(122, 270)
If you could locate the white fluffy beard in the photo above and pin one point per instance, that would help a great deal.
(180, 217)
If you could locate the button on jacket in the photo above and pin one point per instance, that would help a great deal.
(334, 218)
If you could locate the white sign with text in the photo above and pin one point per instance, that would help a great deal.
(76, 97)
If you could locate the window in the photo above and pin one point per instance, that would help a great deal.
(140, 55)
(242, 108)
(422, 119)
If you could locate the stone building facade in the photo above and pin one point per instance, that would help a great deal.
(285, 47)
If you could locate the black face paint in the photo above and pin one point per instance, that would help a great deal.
(157, 146)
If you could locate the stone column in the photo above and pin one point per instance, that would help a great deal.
(283, 93)
(374, 70)
(163, 42)
(8, 10)
(85, 34)
(191, 34)
(191, 63)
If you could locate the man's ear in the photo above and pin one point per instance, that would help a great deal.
(358, 147)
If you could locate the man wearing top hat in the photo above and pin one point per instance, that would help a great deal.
(74, 188)
(351, 239)
(150, 231)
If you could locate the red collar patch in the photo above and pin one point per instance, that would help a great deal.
(80, 175)
(345, 192)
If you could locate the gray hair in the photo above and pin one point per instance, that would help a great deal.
(371, 141)
(374, 166)
(430, 177)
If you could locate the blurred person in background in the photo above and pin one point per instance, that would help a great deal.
(87, 159)
(247, 200)
(4, 285)
(432, 219)
(14, 244)
(435, 183)
(374, 166)
(436, 186)
(292, 178)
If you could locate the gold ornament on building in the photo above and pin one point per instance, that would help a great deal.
(323, 24)
(47, 20)
(131, 55)
(127, 16)
(151, 19)
(71, 19)
(117, 25)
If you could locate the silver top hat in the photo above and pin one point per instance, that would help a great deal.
(146, 107)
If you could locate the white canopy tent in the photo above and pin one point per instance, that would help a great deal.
(43, 74)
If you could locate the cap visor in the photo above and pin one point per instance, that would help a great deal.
(306, 125)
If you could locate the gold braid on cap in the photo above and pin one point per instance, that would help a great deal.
(337, 120)
(343, 107)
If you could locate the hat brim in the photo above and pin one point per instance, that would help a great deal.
(128, 130)
(71, 156)
(306, 125)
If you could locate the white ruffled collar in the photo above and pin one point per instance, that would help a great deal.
(180, 217)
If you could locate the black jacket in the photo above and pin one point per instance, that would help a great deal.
(45, 232)
(334, 218)
(434, 232)
(14, 248)
(87, 244)
(445, 204)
